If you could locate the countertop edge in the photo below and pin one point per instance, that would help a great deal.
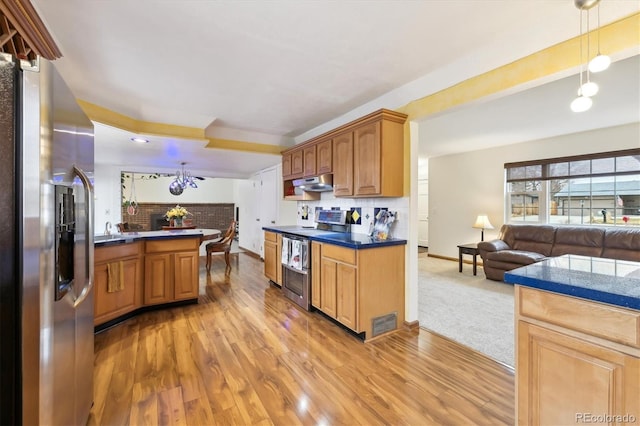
(593, 295)
(126, 239)
(329, 240)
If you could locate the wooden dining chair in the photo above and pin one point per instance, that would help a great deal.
(223, 245)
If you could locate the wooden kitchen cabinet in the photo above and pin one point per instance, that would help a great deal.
(297, 163)
(575, 357)
(343, 165)
(185, 276)
(286, 166)
(309, 161)
(361, 287)
(108, 306)
(324, 157)
(273, 256)
(316, 268)
(171, 270)
(158, 279)
(366, 157)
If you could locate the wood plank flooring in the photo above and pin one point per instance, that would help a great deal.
(245, 355)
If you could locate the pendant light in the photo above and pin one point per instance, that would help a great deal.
(600, 62)
(587, 89)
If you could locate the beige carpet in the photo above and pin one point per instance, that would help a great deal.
(469, 309)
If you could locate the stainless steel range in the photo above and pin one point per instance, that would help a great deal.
(296, 254)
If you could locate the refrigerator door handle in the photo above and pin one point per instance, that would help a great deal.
(88, 192)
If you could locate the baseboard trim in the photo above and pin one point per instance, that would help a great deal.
(453, 259)
(412, 325)
(250, 253)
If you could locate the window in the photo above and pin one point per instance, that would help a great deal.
(596, 189)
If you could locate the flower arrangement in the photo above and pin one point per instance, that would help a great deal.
(176, 213)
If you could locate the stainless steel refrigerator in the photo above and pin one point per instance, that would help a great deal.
(46, 248)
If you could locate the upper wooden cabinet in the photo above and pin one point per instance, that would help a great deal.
(365, 156)
(343, 165)
(297, 163)
(309, 161)
(324, 159)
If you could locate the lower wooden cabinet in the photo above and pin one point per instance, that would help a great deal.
(153, 272)
(110, 305)
(273, 256)
(171, 270)
(361, 289)
(576, 360)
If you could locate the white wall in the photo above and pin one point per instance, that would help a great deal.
(108, 194)
(461, 186)
(210, 190)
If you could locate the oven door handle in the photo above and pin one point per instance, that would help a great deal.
(299, 271)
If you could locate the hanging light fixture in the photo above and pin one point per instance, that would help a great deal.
(600, 62)
(587, 89)
(182, 180)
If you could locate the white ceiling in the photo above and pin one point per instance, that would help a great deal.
(279, 67)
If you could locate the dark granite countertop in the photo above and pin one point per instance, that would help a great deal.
(129, 237)
(616, 282)
(344, 239)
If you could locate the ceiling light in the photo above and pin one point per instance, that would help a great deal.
(581, 104)
(587, 89)
(182, 180)
(600, 62)
(140, 140)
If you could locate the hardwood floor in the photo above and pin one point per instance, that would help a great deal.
(246, 355)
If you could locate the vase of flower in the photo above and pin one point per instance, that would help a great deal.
(177, 222)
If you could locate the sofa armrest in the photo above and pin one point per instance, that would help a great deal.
(485, 247)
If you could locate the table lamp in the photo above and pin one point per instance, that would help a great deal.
(482, 222)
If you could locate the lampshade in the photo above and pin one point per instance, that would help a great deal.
(482, 222)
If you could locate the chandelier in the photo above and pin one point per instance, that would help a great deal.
(182, 181)
(600, 62)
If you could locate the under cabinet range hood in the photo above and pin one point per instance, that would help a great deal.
(320, 183)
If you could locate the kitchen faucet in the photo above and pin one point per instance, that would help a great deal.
(107, 228)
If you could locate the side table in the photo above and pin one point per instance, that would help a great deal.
(471, 249)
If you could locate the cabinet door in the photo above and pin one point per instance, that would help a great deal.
(270, 254)
(367, 160)
(324, 159)
(346, 302)
(343, 165)
(278, 259)
(297, 163)
(185, 266)
(286, 165)
(158, 279)
(316, 284)
(110, 305)
(310, 161)
(561, 377)
(328, 287)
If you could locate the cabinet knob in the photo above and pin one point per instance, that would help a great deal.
(273, 221)
(257, 220)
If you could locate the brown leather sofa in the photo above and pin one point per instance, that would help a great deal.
(521, 245)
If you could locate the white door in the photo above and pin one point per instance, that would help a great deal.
(269, 198)
(423, 212)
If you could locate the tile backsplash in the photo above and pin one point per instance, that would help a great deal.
(363, 211)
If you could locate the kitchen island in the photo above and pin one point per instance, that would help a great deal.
(138, 271)
(577, 341)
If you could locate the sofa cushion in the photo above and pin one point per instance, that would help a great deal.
(622, 243)
(514, 257)
(531, 238)
(582, 241)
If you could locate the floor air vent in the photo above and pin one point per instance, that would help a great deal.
(384, 323)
